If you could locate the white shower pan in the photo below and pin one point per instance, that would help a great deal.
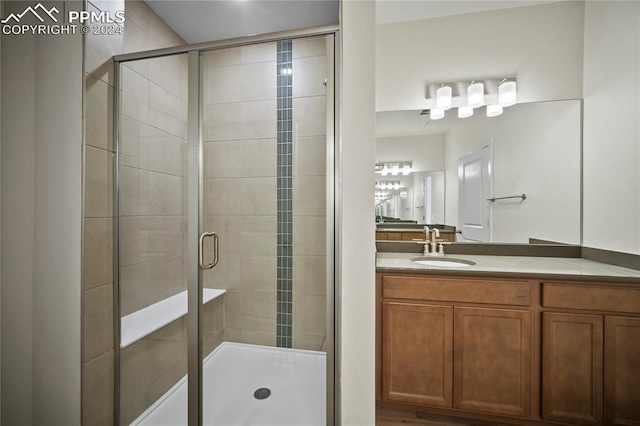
(231, 375)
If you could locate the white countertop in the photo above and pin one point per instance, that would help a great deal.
(512, 265)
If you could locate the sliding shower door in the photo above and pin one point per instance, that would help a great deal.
(224, 252)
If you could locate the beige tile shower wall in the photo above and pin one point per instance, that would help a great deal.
(240, 186)
(152, 244)
(309, 194)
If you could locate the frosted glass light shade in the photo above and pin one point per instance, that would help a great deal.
(475, 95)
(507, 93)
(436, 113)
(465, 111)
(443, 98)
(494, 110)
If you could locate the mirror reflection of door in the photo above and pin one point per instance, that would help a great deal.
(428, 200)
(475, 183)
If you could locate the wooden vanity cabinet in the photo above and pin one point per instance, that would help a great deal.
(622, 370)
(437, 350)
(572, 355)
(417, 353)
(591, 361)
(511, 350)
(492, 361)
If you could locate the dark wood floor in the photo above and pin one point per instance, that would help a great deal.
(392, 417)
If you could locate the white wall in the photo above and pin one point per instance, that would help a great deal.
(57, 284)
(540, 45)
(41, 227)
(536, 150)
(18, 143)
(357, 258)
(425, 151)
(612, 126)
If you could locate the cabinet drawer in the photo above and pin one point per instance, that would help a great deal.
(597, 298)
(499, 292)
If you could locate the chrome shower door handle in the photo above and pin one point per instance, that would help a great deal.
(201, 250)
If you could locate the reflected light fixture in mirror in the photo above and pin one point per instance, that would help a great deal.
(394, 168)
(388, 184)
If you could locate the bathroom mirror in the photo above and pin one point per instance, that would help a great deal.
(535, 151)
(532, 148)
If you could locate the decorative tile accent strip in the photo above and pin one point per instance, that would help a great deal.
(284, 330)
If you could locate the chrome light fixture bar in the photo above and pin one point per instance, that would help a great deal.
(495, 94)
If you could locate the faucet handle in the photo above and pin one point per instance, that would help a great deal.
(428, 249)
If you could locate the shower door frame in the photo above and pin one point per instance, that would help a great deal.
(195, 191)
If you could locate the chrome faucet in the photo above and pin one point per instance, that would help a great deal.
(431, 247)
(432, 234)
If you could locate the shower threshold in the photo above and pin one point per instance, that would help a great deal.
(233, 372)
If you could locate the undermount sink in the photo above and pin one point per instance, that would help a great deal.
(447, 262)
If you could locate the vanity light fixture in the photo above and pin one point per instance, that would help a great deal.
(465, 111)
(465, 96)
(436, 113)
(494, 110)
(443, 98)
(406, 169)
(475, 94)
(507, 93)
(395, 169)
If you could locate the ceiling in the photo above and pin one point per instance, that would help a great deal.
(199, 21)
(391, 11)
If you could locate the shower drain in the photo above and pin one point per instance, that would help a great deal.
(262, 393)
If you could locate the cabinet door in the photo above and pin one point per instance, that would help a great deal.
(492, 361)
(417, 353)
(572, 368)
(622, 370)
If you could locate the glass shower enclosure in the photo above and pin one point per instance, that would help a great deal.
(224, 231)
